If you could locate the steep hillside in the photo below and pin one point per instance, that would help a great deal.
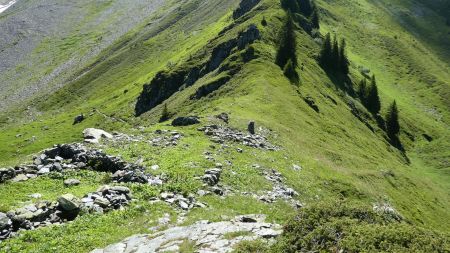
(316, 146)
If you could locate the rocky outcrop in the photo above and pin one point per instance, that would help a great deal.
(207, 236)
(92, 135)
(74, 157)
(280, 191)
(66, 208)
(185, 121)
(162, 86)
(220, 134)
(209, 88)
(166, 83)
(244, 7)
(179, 201)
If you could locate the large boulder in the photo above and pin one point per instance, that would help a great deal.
(68, 202)
(78, 119)
(92, 135)
(185, 121)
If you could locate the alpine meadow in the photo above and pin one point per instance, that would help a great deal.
(244, 126)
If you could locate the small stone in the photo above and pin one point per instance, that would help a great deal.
(296, 167)
(71, 182)
(102, 202)
(155, 167)
(183, 205)
(20, 178)
(36, 196)
(44, 170)
(166, 195)
(120, 189)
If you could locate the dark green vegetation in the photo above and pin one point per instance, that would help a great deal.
(338, 226)
(345, 150)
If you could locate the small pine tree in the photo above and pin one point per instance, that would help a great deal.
(335, 55)
(287, 50)
(344, 63)
(392, 122)
(164, 114)
(362, 91)
(305, 7)
(315, 20)
(290, 5)
(373, 100)
(264, 21)
(290, 72)
(325, 53)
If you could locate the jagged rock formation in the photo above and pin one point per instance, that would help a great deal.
(244, 7)
(165, 83)
(206, 236)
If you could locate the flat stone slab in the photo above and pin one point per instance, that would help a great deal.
(207, 236)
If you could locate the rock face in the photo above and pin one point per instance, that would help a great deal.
(310, 101)
(209, 88)
(244, 7)
(207, 236)
(166, 83)
(185, 121)
(92, 135)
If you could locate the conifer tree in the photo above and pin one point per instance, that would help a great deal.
(164, 114)
(305, 7)
(290, 5)
(290, 72)
(315, 17)
(362, 91)
(287, 50)
(335, 55)
(325, 53)
(373, 100)
(392, 122)
(343, 60)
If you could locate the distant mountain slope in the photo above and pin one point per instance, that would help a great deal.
(208, 57)
(44, 43)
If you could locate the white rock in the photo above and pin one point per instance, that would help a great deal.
(93, 135)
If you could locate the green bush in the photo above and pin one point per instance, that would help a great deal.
(343, 227)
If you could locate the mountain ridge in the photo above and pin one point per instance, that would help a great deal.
(343, 150)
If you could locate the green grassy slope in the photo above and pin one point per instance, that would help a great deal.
(341, 157)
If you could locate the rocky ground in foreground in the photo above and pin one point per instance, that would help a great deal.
(205, 236)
